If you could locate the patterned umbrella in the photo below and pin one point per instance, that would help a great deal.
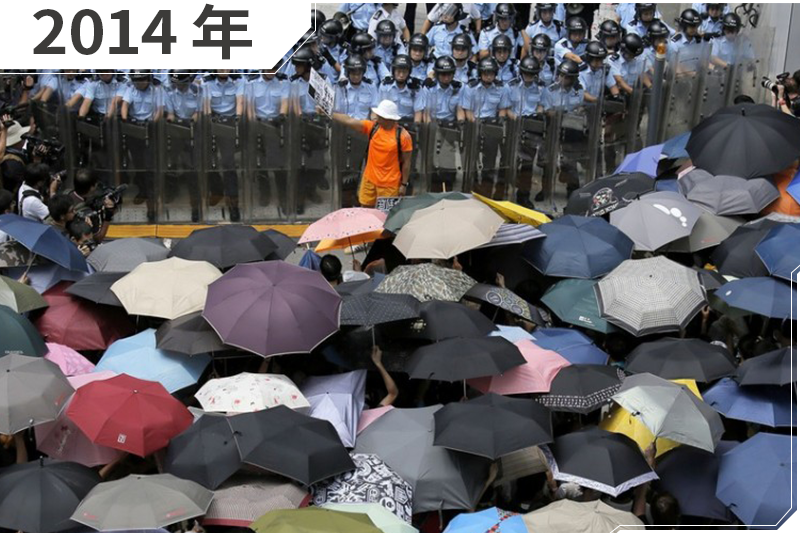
(492, 520)
(19, 297)
(656, 219)
(244, 498)
(246, 392)
(513, 234)
(344, 223)
(506, 299)
(608, 194)
(654, 295)
(427, 282)
(376, 308)
(123, 255)
(373, 481)
(68, 360)
(582, 388)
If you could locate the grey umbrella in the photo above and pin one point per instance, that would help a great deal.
(97, 288)
(441, 478)
(124, 255)
(709, 231)
(656, 219)
(189, 334)
(727, 195)
(285, 244)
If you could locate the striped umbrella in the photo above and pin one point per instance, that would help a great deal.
(513, 234)
(647, 296)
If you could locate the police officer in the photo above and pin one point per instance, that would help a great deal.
(330, 39)
(268, 104)
(324, 61)
(101, 98)
(363, 45)
(574, 44)
(594, 80)
(541, 47)
(66, 88)
(388, 48)
(657, 34)
(421, 62)
(645, 15)
(403, 90)
(712, 19)
(442, 34)
(610, 35)
(358, 14)
(392, 14)
(183, 104)
(627, 66)
(732, 46)
(501, 52)
(687, 43)
(504, 15)
(545, 24)
(466, 69)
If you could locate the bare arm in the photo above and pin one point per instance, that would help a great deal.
(391, 387)
(348, 121)
(406, 167)
(86, 106)
(73, 101)
(124, 112)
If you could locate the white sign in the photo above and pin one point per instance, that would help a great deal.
(322, 92)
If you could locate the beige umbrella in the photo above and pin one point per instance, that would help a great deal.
(567, 516)
(167, 289)
(447, 228)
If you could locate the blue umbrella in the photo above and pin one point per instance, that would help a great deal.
(44, 277)
(44, 240)
(578, 247)
(310, 260)
(763, 296)
(138, 356)
(570, 344)
(675, 148)
(668, 185)
(768, 405)
(485, 521)
(780, 250)
(756, 479)
(511, 333)
(794, 187)
(339, 399)
(645, 161)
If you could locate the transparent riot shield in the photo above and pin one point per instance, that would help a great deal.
(621, 124)
(417, 131)
(526, 141)
(684, 77)
(96, 133)
(748, 65)
(444, 151)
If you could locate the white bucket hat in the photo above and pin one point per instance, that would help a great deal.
(16, 131)
(388, 110)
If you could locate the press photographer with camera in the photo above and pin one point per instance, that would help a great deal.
(38, 186)
(62, 213)
(94, 202)
(785, 92)
(13, 158)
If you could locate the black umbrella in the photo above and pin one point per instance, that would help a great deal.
(205, 453)
(377, 308)
(97, 288)
(19, 335)
(358, 287)
(40, 496)
(671, 358)
(460, 359)
(291, 444)
(189, 334)
(711, 280)
(582, 388)
(747, 140)
(598, 459)
(736, 256)
(778, 367)
(285, 245)
(225, 246)
(448, 320)
(608, 194)
(505, 299)
(492, 426)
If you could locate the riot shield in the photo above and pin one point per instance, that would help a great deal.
(444, 151)
(417, 176)
(526, 141)
(487, 156)
(621, 127)
(181, 141)
(684, 77)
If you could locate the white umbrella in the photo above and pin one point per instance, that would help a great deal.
(245, 393)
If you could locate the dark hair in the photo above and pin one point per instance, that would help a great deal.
(78, 228)
(665, 510)
(85, 179)
(6, 199)
(59, 205)
(331, 268)
(36, 174)
(743, 99)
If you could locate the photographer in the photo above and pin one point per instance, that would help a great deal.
(62, 212)
(37, 184)
(80, 233)
(6, 207)
(92, 203)
(786, 93)
(12, 156)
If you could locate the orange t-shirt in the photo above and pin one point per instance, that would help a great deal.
(383, 168)
(785, 204)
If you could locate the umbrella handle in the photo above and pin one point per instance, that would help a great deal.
(30, 264)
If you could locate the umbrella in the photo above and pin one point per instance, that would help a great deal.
(598, 459)
(40, 496)
(780, 252)
(167, 289)
(644, 161)
(138, 356)
(383, 518)
(344, 223)
(710, 279)
(96, 288)
(128, 414)
(80, 324)
(291, 444)
(372, 482)
(766, 405)
(669, 410)
(492, 426)
(427, 282)
(373, 308)
(44, 240)
(246, 392)
(242, 499)
(515, 213)
(285, 245)
(772, 368)
(448, 320)
(763, 296)
(68, 360)
(756, 479)
(794, 187)
(205, 453)
(142, 502)
(535, 376)
(582, 388)
(19, 336)
(656, 219)
(748, 140)
(403, 210)
(189, 334)
(359, 287)
(675, 148)
(19, 297)
(313, 520)
(604, 195)
(327, 245)
(368, 416)
(578, 247)
(574, 302)
(653, 295)
(13, 254)
(509, 234)
(709, 231)
(572, 345)
(460, 359)
(124, 255)
(446, 229)
(224, 246)
(736, 255)
(339, 399)
(690, 475)
(441, 479)
(32, 391)
(672, 358)
(494, 520)
(42, 278)
(272, 308)
(727, 195)
(567, 516)
(506, 300)
(511, 333)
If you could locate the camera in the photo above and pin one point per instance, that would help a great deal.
(51, 150)
(773, 85)
(95, 209)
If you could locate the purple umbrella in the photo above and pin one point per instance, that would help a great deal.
(645, 161)
(339, 399)
(272, 308)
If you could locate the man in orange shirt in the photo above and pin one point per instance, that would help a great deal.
(388, 166)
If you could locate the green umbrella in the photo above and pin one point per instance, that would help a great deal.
(18, 335)
(574, 302)
(387, 521)
(313, 520)
(402, 211)
(19, 297)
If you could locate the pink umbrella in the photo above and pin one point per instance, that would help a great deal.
(79, 381)
(532, 377)
(369, 416)
(68, 360)
(344, 223)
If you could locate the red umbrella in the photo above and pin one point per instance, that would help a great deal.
(128, 414)
(81, 324)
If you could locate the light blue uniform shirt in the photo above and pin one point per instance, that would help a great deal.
(64, 89)
(442, 102)
(387, 55)
(687, 52)
(565, 46)
(524, 98)
(485, 102)
(551, 30)
(361, 13)
(711, 26)
(508, 71)
(486, 37)
(592, 81)
(356, 101)
(421, 69)
(266, 96)
(223, 95)
(376, 71)
(142, 105)
(629, 71)
(184, 104)
(408, 101)
(440, 39)
(737, 50)
(298, 91)
(626, 12)
(102, 94)
(555, 97)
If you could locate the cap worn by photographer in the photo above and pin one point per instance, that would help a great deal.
(15, 132)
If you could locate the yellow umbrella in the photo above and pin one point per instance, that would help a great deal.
(327, 245)
(513, 212)
(622, 421)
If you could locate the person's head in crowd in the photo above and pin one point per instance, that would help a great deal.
(62, 209)
(610, 34)
(106, 76)
(14, 135)
(401, 69)
(6, 202)
(646, 13)
(180, 79)
(354, 68)
(461, 46)
(596, 53)
(141, 79)
(714, 11)
(504, 15)
(689, 22)
(331, 31)
(540, 46)
(632, 47)
(487, 70)
(301, 61)
(731, 25)
(444, 69)
(546, 12)
(576, 30)
(743, 99)
(386, 31)
(363, 44)
(568, 72)
(501, 49)
(529, 69)
(792, 84)
(85, 182)
(223, 74)
(80, 233)
(657, 33)
(331, 268)
(665, 510)
(418, 47)
(37, 175)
